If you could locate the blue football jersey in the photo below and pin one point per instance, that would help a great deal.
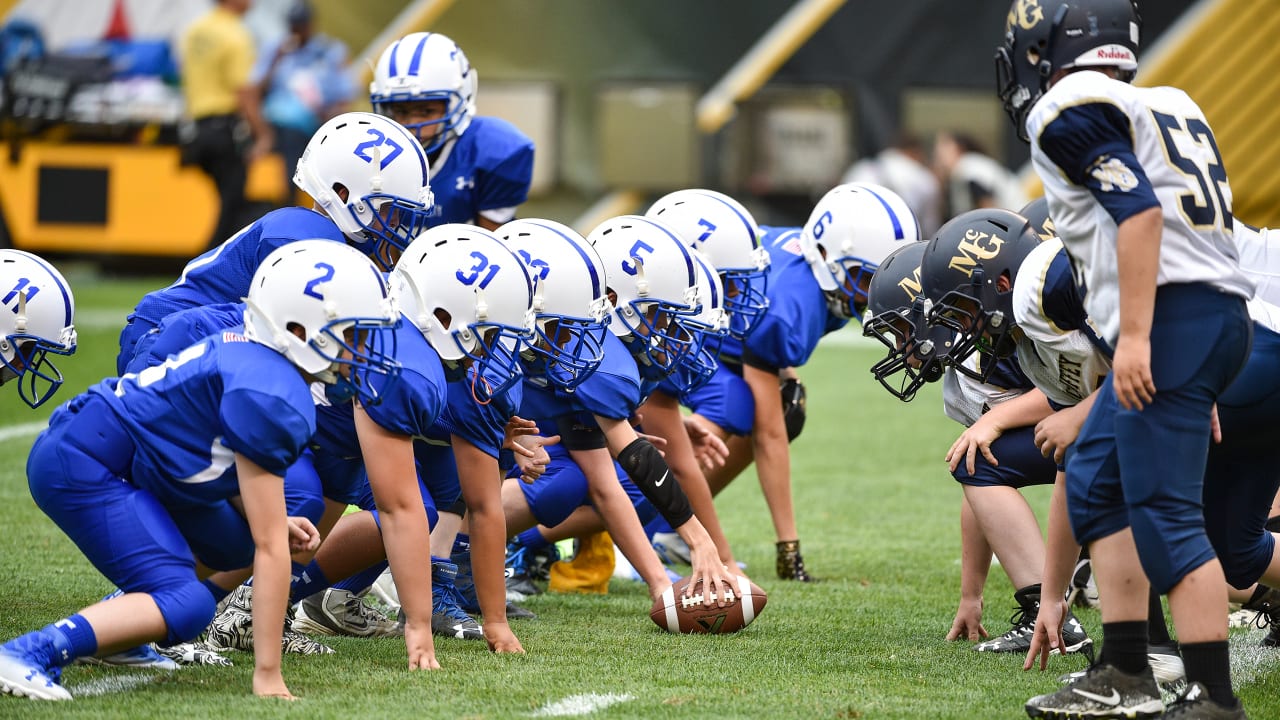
(223, 274)
(481, 424)
(189, 415)
(488, 168)
(411, 407)
(183, 329)
(612, 391)
(798, 316)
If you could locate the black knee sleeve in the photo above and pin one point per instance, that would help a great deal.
(793, 399)
(646, 468)
(457, 507)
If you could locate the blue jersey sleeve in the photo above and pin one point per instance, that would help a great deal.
(609, 395)
(1093, 146)
(480, 425)
(415, 401)
(266, 428)
(507, 169)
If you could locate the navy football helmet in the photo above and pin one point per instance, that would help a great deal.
(897, 315)
(1037, 213)
(961, 274)
(1044, 36)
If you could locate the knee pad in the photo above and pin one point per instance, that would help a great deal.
(793, 402)
(187, 610)
(1167, 557)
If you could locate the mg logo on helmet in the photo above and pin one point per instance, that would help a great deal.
(975, 246)
(911, 285)
(1025, 14)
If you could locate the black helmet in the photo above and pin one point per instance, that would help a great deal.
(1037, 213)
(1043, 36)
(897, 315)
(960, 275)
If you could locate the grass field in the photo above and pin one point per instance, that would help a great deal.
(878, 519)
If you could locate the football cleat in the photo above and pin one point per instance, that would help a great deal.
(232, 628)
(384, 589)
(1101, 692)
(142, 656)
(1166, 663)
(672, 549)
(23, 676)
(790, 564)
(520, 567)
(1084, 591)
(464, 581)
(194, 653)
(1018, 638)
(448, 619)
(1267, 607)
(1195, 704)
(341, 612)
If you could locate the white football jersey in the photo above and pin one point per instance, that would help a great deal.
(1260, 259)
(1063, 362)
(965, 399)
(1178, 155)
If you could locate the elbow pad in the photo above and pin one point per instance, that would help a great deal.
(646, 468)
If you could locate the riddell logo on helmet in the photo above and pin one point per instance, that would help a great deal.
(1106, 54)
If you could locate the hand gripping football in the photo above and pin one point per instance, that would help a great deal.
(676, 614)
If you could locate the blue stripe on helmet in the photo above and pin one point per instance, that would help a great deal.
(416, 61)
(591, 267)
(715, 301)
(755, 241)
(391, 65)
(688, 259)
(897, 224)
(53, 275)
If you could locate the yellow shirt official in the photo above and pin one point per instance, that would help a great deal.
(217, 56)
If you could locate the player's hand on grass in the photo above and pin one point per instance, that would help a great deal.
(500, 638)
(976, 438)
(1048, 633)
(1131, 372)
(420, 646)
(303, 535)
(968, 623)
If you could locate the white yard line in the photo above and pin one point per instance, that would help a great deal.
(10, 432)
(581, 704)
(110, 685)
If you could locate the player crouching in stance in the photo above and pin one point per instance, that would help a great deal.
(142, 472)
(38, 315)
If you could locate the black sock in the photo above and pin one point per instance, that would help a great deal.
(1124, 645)
(1209, 663)
(1157, 629)
(1273, 524)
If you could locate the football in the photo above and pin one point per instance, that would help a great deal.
(676, 614)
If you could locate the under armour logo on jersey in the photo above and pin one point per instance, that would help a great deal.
(465, 183)
(1112, 174)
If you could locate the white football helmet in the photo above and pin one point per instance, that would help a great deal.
(654, 280)
(472, 299)
(569, 300)
(422, 67)
(853, 228)
(385, 173)
(329, 290)
(709, 325)
(722, 229)
(38, 316)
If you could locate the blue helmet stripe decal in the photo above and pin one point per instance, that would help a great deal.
(391, 65)
(715, 298)
(897, 224)
(755, 241)
(416, 61)
(688, 259)
(66, 296)
(591, 267)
